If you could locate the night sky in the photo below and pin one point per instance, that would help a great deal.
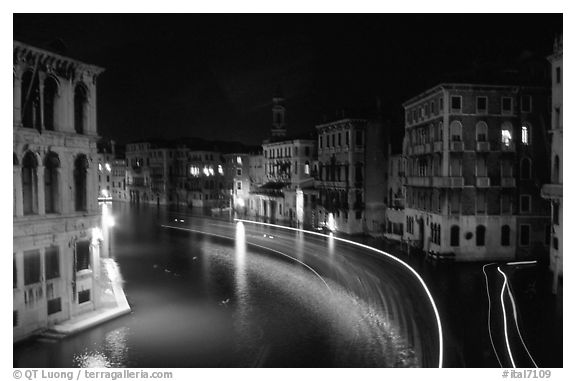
(213, 76)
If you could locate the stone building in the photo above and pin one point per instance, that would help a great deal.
(472, 167)
(396, 198)
(237, 173)
(553, 190)
(111, 173)
(57, 233)
(351, 179)
(287, 175)
(206, 184)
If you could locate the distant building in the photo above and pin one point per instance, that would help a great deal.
(139, 171)
(237, 173)
(206, 184)
(111, 174)
(351, 179)
(396, 198)
(553, 190)
(57, 235)
(473, 164)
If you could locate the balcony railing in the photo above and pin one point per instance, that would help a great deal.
(551, 191)
(448, 182)
(419, 181)
(508, 182)
(483, 146)
(482, 182)
(510, 147)
(438, 146)
(456, 146)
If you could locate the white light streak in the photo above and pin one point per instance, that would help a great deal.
(489, 310)
(504, 315)
(437, 315)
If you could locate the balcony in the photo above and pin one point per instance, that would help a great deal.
(508, 182)
(448, 182)
(483, 146)
(457, 146)
(510, 147)
(438, 146)
(482, 182)
(418, 150)
(551, 191)
(418, 181)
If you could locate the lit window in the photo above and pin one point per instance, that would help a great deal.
(206, 172)
(506, 137)
(239, 160)
(307, 168)
(211, 171)
(220, 170)
(525, 134)
(108, 168)
(100, 167)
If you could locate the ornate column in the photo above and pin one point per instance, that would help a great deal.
(41, 78)
(17, 93)
(18, 200)
(41, 194)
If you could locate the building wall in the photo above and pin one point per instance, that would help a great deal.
(61, 157)
(553, 191)
(341, 177)
(471, 153)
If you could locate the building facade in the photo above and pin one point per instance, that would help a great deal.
(57, 235)
(553, 191)
(351, 178)
(472, 164)
(111, 174)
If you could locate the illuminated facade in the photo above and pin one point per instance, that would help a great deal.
(111, 175)
(472, 163)
(553, 190)
(56, 221)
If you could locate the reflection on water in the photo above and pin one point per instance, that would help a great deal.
(203, 301)
(113, 353)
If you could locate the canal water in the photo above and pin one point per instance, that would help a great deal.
(204, 301)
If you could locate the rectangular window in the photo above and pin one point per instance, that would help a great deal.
(456, 103)
(524, 235)
(239, 172)
(441, 101)
(339, 139)
(359, 140)
(555, 243)
(481, 105)
(558, 74)
(83, 296)
(307, 151)
(14, 272)
(526, 103)
(31, 267)
(333, 140)
(556, 213)
(525, 203)
(82, 255)
(52, 262)
(239, 185)
(481, 202)
(54, 306)
(506, 105)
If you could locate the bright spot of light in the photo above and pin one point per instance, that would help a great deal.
(110, 222)
(108, 168)
(181, 220)
(331, 224)
(211, 171)
(240, 202)
(100, 167)
(206, 172)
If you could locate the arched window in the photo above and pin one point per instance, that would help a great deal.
(481, 131)
(526, 168)
(80, 109)
(506, 134)
(30, 184)
(556, 170)
(80, 186)
(525, 134)
(505, 235)
(480, 235)
(51, 191)
(455, 235)
(50, 93)
(30, 101)
(455, 131)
